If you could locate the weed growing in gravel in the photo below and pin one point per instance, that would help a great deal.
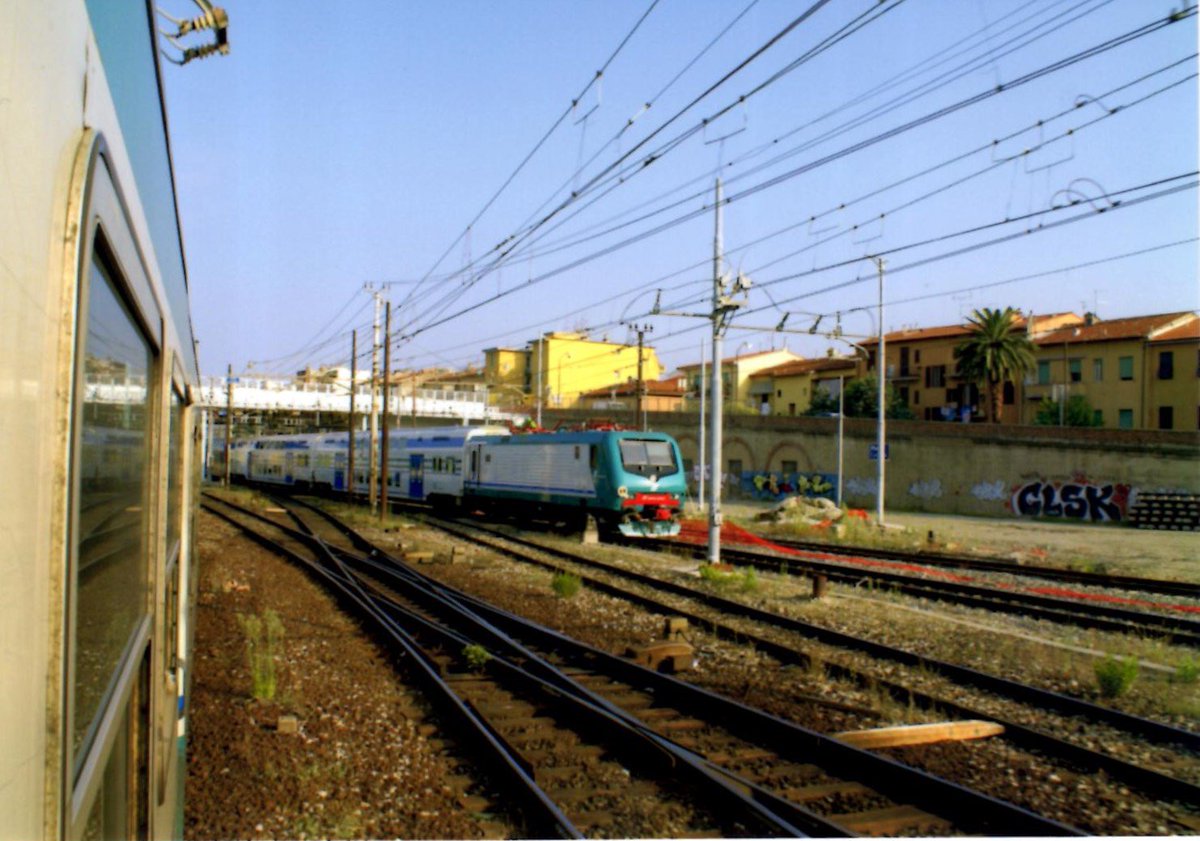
(749, 581)
(565, 585)
(1187, 672)
(1114, 677)
(476, 656)
(262, 641)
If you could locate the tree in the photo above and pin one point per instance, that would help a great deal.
(1077, 412)
(861, 400)
(822, 404)
(994, 353)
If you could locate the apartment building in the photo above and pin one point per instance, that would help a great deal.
(1136, 373)
(922, 369)
(737, 387)
(788, 389)
(563, 365)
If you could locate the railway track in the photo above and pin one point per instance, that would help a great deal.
(714, 612)
(740, 770)
(1128, 583)
(840, 567)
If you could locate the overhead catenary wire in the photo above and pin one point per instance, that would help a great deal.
(1090, 52)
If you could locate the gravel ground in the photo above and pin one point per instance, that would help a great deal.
(353, 771)
(363, 763)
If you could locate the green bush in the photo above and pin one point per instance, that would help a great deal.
(262, 642)
(565, 585)
(476, 656)
(1114, 677)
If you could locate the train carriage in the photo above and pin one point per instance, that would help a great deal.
(98, 372)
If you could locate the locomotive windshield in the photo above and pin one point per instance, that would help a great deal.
(648, 457)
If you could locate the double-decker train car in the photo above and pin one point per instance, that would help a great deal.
(631, 482)
(99, 457)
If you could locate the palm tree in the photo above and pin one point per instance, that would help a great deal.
(994, 353)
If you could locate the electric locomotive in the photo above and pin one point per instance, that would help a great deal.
(632, 482)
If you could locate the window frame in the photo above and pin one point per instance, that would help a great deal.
(103, 229)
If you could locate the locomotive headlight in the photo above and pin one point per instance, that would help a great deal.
(623, 492)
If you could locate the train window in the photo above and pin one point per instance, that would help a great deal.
(114, 501)
(647, 457)
(174, 472)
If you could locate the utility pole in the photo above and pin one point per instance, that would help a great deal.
(350, 420)
(841, 435)
(881, 440)
(387, 377)
(539, 383)
(373, 454)
(703, 387)
(723, 309)
(639, 416)
(228, 417)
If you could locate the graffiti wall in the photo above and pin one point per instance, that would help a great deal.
(1075, 500)
(775, 486)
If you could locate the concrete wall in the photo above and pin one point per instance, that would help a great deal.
(1087, 474)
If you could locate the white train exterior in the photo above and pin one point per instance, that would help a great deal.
(97, 368)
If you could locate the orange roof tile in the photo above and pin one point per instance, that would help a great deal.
(1114, 329)
(923, 334)
(1190, 330)
(730, 360)
(807, 366)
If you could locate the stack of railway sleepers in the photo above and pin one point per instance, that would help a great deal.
(1166, 512)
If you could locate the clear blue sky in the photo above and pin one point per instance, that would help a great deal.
(346, 143)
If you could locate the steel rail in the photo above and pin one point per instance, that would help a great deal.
(760, 816)
(543, 817)
(1093, 579)
(1173, 629)
(1143, 728)
(938, 796)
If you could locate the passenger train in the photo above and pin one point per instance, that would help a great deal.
(100, 454)
(631, 482)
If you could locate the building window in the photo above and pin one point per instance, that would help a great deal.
(1166, 365)
(1098, 417)
(779, 393)
(904, 394)
(916, 398)
(916, 357)
(1125, 419)
(1043, 373)
(789, 467)
(1075, 367)
(1126, 365)
(1098, 370)
(1166, 417)
(792, 409)
(1010, 394)
(935, 376)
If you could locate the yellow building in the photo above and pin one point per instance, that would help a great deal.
(1175, 389)
(790, 386)
(564, 366)
(737, 387)
(922, 369)
(1136, 373)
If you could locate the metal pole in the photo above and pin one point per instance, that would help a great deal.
(714, 510)
(539, 383)
(228, 418)
(841, 436)
(350, 420)
(373, 454)
(387, 396)
(703, 393)
(640, 414)
(881, 442)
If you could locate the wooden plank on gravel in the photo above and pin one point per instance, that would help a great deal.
(921, 734)
(807, 794)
